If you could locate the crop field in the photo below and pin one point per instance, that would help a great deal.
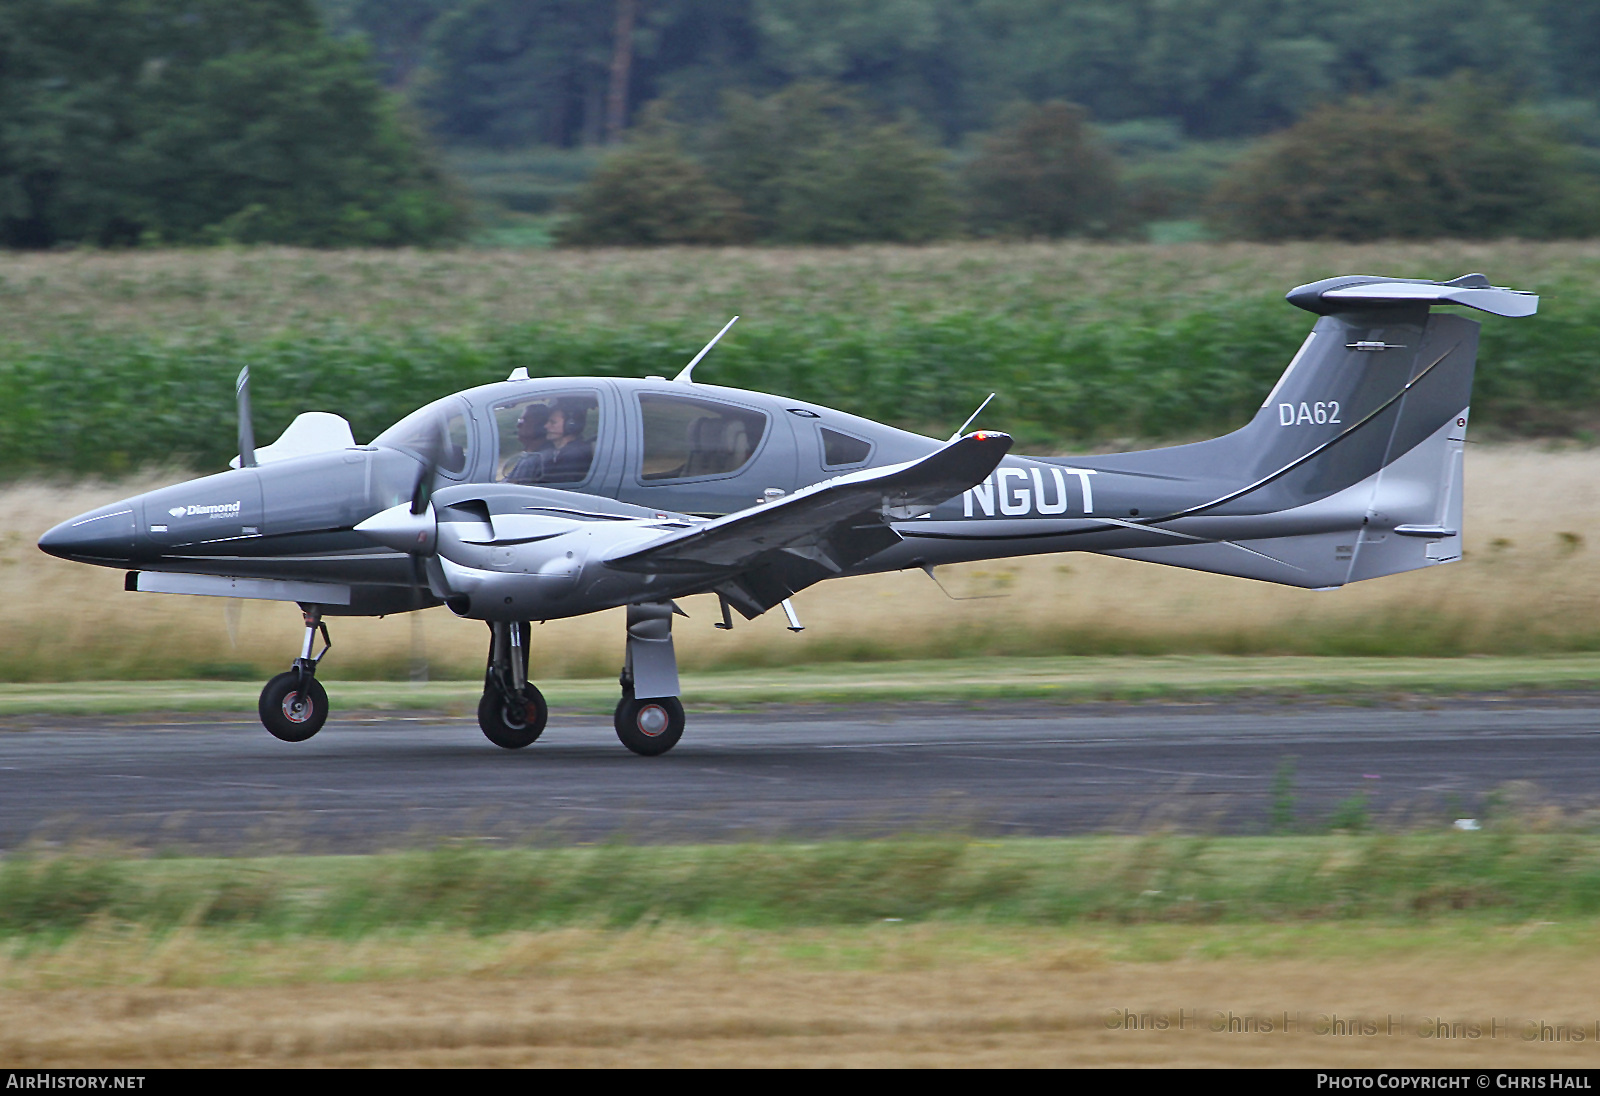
(113, 362)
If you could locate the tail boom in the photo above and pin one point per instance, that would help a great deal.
(1351, 469)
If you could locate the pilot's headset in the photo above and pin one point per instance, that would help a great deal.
(576, 416)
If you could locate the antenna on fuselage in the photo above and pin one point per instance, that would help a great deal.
(962, 428)
(247, 433)
(685, 375)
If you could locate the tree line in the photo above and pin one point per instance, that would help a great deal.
(810, 164)
(203, 121)
(317, 122)
(513, 72)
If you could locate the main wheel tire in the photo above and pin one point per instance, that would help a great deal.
(512, 725)
(292, 712)
(650, 727)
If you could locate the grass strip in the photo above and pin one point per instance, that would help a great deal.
(1498, 875)
(1064, 679)
(713, 955)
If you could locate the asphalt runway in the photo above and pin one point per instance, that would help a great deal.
(366, 784)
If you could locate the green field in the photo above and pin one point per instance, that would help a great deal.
(955, 680)
(1499, 875)
(113, 362)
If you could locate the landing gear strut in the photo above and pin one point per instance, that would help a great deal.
(649, 717)
(512, 712)
(294, 705)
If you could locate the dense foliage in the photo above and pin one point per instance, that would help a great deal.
(806, 165)
(1459, 163)
(651, 193)
(1179, 90)
(811, 165)
(826, 121)
(127, 121)
(1044, 174)
(514, 71)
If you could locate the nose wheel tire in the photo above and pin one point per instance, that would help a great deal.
(293, 707)
(512, 724)
(650, 727)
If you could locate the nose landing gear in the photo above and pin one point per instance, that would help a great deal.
(294, 705)
(512, 712)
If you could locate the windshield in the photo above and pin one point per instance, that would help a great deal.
(436, 433)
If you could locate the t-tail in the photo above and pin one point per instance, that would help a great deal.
(1352, 468)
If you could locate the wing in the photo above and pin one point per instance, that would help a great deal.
(757, 557)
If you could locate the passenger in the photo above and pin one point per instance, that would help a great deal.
(529, 465)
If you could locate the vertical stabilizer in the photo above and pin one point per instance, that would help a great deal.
(1359, 444)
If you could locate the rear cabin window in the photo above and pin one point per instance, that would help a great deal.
(841, 449)
(686, 437)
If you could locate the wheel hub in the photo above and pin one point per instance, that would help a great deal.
(295, 708)
(652, 720)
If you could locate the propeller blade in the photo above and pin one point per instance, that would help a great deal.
(422, 493)
(413, 528)
(247, 433)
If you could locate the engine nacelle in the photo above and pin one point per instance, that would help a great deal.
(554, 568)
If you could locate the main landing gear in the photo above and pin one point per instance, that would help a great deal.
(649, 718)
(294, 705)
(650, 727)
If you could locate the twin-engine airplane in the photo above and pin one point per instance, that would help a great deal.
(535, 499)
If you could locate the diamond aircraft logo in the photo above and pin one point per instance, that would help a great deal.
(220, 510)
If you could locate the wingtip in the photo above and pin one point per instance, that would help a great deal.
(990, 438)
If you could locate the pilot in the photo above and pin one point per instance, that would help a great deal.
(566, 454)
(554, 449)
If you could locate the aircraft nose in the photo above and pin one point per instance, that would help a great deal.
(101, 536)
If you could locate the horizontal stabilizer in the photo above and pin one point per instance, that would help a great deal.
(1355, 291)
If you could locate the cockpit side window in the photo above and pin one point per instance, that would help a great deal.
(547, 439)
(437, 433)
(686, 437)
